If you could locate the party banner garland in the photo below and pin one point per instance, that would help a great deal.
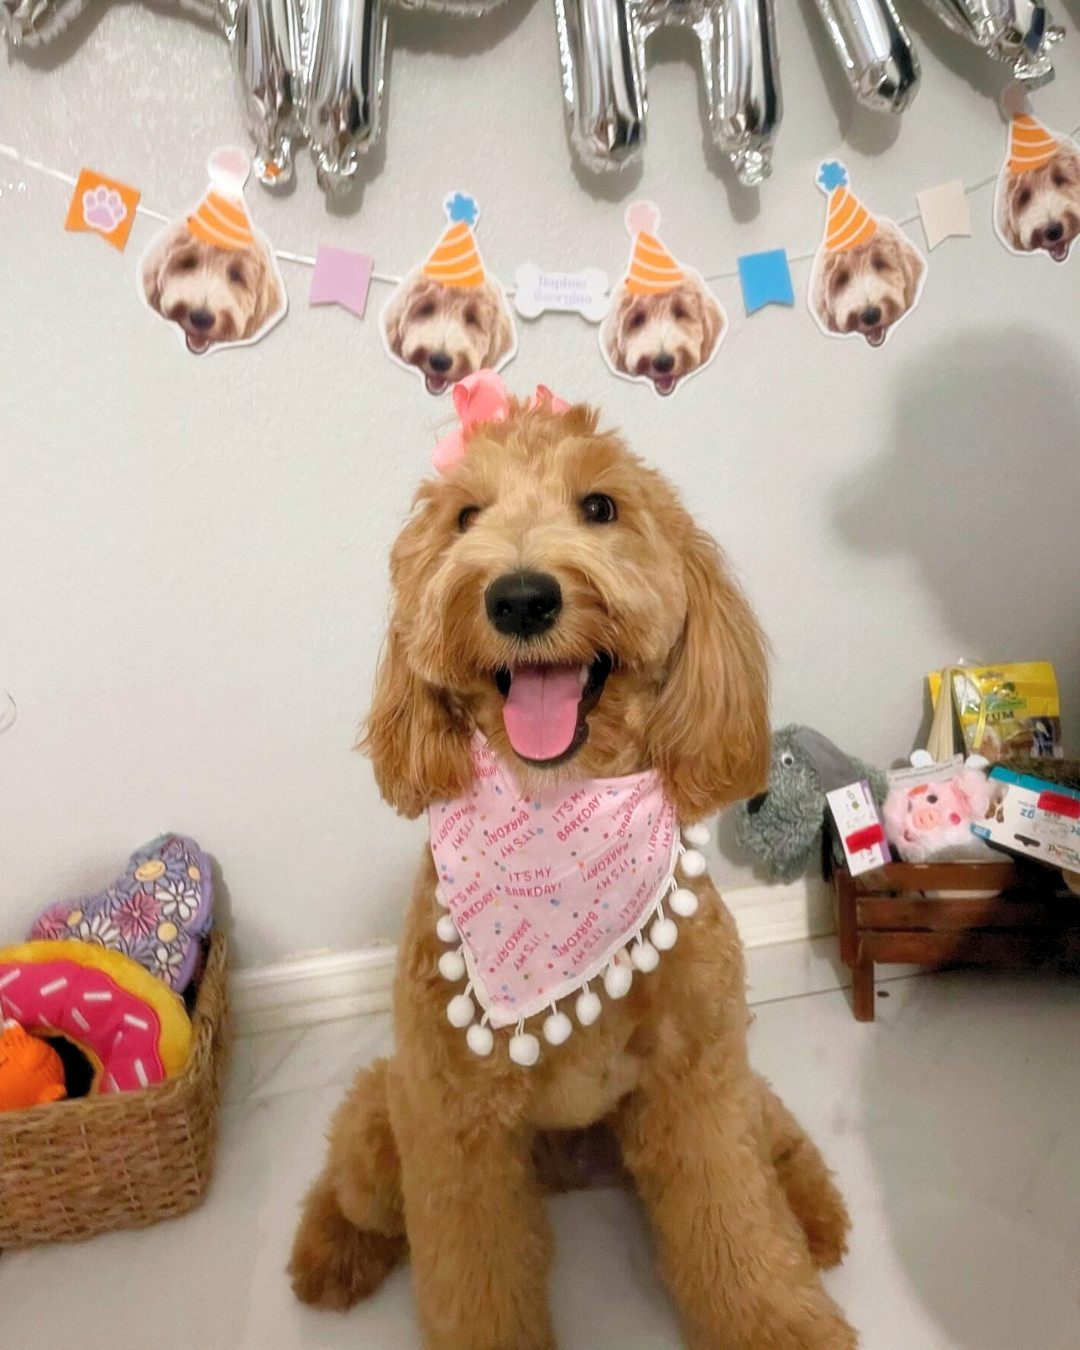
(215, 280)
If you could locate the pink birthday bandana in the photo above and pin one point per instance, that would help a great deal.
(545, 891)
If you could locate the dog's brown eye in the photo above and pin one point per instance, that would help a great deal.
(598, 509)
(879, 264)
(1058, 178)
(636, 319)
(426, 310)
(1023, 197)
(678, 312)
(187, 263)
(470, 317)
(842, 277)
(236, 273)
(467, 518)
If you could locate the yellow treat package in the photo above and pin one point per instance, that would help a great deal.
(1006, 712)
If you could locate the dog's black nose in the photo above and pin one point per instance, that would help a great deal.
(1054, 233)
(664, 363)
(440, 361)
(755, 804)
(871, 316)
(201, 319)
(523, 604)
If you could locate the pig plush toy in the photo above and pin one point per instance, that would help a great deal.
(931, 822)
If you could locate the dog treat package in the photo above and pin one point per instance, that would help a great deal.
(211, 275)
(867, 275)
(1005, 712)
(663, 324)
(1037, 203)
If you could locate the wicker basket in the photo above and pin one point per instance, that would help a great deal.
(74, 1169)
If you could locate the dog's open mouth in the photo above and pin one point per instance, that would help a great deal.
(196, 342)
(665, 384)
(547, 707)
(1060, 251)
(876, 336)
(435, 383)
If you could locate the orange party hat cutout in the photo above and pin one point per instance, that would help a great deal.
(848, 223)
(652, 270)
(1030, 144)
(221, 217)
(455, 259)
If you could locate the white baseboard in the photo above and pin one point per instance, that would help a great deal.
(324, 988)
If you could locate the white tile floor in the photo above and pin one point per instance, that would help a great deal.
(954, 1125)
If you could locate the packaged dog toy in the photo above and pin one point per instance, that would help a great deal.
(930, 810)
(1006, 712)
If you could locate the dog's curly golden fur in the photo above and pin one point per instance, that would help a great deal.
(445, 1156)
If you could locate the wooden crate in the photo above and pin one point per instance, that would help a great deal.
(926, 914)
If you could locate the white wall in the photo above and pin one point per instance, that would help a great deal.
(192, 552)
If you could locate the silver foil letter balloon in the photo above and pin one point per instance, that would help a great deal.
(602, 47)
(267, 53)
(346, 85)
(875, 51)
(1018, 32)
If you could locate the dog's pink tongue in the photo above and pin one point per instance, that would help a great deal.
(541, 710)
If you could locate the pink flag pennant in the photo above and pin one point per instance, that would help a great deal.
(341, 277)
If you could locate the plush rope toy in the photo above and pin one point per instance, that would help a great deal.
(781, 828)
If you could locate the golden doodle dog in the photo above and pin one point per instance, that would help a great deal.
(1038, 199)
(868, 288)
(548, 547)
(216, 295)
(664, 337)
(664, 323)
(447, 332)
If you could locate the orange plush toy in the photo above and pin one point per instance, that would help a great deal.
(31, 1072)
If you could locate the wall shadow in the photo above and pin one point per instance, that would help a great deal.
(978, 486)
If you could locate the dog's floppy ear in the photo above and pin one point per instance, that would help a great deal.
(613, 332)
(1006, 209)
(418, 743)
(913, 265)
(822, 305)
(709, 730)
(268, 296)
(392, 317)
(712, 320)
(161, 252)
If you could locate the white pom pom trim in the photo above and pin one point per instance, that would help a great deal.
(664, 934)
(683, 901)
(617, 980)
(460, 1011)
(452, 965)
(644, 956)
(692, 863)
(480, 1039)
(446, 929)
(524, 1048)
(697, 835)
(588, 1007)
(557, 1027)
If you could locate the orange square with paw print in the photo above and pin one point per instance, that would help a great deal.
(103, 206)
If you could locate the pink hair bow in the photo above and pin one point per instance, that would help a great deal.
(482, 397)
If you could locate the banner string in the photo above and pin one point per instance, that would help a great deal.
(388, 279)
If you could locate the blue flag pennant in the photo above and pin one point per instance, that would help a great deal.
(765, 279)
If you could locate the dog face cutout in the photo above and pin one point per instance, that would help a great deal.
(865, 291)
(662, 339)
(217, 297)
(1038, 210)
(447, 332)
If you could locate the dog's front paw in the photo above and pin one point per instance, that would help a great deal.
(334, 1264)
(103, 208)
